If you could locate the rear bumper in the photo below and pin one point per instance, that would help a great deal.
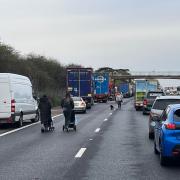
(8, 120)
(79, 109)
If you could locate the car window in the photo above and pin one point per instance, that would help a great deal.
(161, 104)
(76, 98)
(177, 115)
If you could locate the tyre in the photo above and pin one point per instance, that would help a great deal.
(63, 127)
(74, 127)
(20, 122)
(163, 160)
(151, 135)
(84, 111)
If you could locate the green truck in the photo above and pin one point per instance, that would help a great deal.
(141, 88)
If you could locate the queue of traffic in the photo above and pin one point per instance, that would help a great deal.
(164, 122)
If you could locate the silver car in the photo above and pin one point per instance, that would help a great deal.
(79, 104)
(158, 106)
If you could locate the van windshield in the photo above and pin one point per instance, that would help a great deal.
(161, 104)
(4, 90)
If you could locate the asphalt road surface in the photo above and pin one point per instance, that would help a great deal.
(107, 145)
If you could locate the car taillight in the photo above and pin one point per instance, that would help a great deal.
(12, 105)
(170, 126)
(145, 102)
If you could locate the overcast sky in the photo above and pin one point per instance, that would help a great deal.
(134, 34)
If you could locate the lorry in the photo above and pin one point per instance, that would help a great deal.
(80, 83)
(16, 100)
(141, 89)
(126, 89)
(101, 87)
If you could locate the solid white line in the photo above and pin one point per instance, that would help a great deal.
(97, 130)
(80, 153)
(24, 127)
(105, 119)
(56, 116)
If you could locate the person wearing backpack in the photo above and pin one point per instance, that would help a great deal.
(67, 105)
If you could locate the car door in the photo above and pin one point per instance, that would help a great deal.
(158, 127)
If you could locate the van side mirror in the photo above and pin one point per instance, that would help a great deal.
(156, 118)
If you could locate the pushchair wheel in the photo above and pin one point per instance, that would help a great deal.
(42, 130)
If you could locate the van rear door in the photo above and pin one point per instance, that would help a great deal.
(5, 100)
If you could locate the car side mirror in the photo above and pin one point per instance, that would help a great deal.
(156, 118)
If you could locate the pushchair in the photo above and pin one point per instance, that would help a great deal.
(72, 123)
(48, 125)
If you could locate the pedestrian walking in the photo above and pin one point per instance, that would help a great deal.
(67, 105)
(45, 112)
(119, 99)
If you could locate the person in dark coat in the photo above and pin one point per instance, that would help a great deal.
(67, 105)
(45, 110)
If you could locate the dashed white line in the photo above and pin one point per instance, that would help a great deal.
(110, 113)
(97, 130)
(105, 119)
(80, 153)
(24, 127)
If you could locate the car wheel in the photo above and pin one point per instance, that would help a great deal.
(163, 160)
(151, 135)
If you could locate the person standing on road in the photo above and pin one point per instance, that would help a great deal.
(119, 98)
(67, 105)
(45, 110)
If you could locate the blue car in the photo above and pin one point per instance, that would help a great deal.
(167, 134)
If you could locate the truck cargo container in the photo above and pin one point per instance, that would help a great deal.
(80, 84)
(126, 89)
(141, 89)
(101, 87)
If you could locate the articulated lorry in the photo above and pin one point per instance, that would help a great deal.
(80, 84)
(141, 88)
(101, 87)
(126, 89)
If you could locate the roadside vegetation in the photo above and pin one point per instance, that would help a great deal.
(47, 75)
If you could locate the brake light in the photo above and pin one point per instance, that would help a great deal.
(145, 102)
(12, 105)
(170, 126)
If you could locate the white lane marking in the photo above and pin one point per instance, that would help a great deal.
(15, 130)
(110, 114)
(90, 139)
(97, 130)
(105, 119)
(80, 153)
(56, 116)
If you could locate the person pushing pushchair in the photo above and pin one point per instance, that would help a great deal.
(45, 114)
(67, 105)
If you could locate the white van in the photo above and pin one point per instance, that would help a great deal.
(16, 101)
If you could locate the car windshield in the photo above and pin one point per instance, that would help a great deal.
(161, 104)
(153, 95)
(76, 98)
(177, 115)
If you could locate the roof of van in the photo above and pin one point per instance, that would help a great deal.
(11, 75)
(168, 97)
(15, 77)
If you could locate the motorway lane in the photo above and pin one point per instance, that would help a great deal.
(29, 154)
(122, 150)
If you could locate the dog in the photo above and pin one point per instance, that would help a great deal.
(111, 107)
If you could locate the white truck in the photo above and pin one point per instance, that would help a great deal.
(16, 100)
